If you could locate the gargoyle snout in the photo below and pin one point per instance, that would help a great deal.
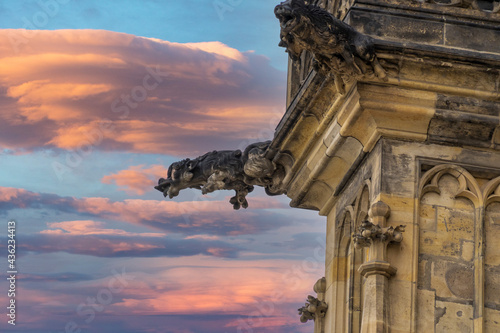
(282, 9)
(163, 186)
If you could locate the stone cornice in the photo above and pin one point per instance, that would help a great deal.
(328, 133)
(459, 9)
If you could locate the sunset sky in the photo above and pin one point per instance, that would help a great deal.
(97, 98)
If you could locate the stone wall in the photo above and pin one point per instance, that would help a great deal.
(447, 265)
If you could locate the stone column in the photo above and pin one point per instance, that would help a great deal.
(376, 236)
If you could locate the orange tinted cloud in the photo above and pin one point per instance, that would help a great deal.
(206, 217)
(88, 227)
(136, 179)
(199, 217)
(116, 244)
(217, 48)
(251, 295)
(41, 99)
(267, 291)
(160, 97)
(244, 287)
(11, 193)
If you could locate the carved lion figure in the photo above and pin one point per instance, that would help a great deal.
(337, 48)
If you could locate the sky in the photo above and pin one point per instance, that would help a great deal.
(97, 99)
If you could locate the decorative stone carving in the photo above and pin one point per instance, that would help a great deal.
(225, 170)
(320, 288)
(315, 308)
(467, 185)
(369, 232)
(312, 310)
(377, 236)
(492, 191)
(337, 48)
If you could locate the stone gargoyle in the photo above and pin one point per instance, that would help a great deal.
(313, 309)
(337, 48)
(225, 170)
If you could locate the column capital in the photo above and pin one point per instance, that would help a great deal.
(377, 267)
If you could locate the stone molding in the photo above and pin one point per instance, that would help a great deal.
(377, 268)
(485, 6)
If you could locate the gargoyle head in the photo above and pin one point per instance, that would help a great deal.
(256, 164)
(179, 177)
(289, 13)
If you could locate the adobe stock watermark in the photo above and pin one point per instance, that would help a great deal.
(121, 106)
(92, 305)
(223, 6)
(292, 280)
(48, 9)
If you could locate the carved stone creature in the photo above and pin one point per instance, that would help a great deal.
(337, 48)
(224, 170)
(369, 232)
(313, 309)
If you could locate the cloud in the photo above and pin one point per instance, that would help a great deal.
(125, 246)
(137, 179)
(59, 277)
(160, 97)
(189, 218)
(261, 296)
(211, 237)
(258, 296)
(11, 198)
(246, 284)
(91, 238)
(83, 228)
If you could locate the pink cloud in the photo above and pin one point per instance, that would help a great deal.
(206, 237)
(185, 217)
(262, 294)
(199, 217)
(160, 97)
(17, 197)
(10, 193)
(124, 245)
(42, 99)
(137, 179)
(217, 48)
(88, 227)
(200, 288)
